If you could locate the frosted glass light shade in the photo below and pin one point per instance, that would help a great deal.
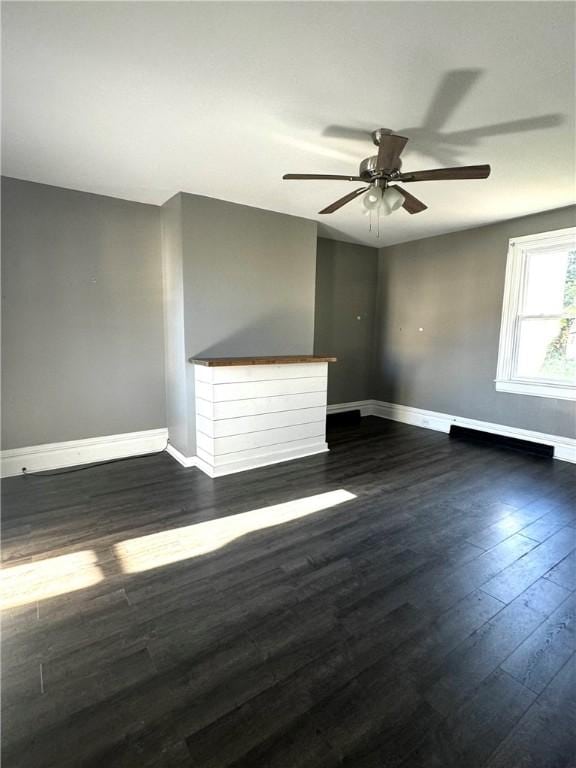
(372, 199)
(391, 200)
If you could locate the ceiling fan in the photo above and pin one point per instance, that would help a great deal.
(380, 170)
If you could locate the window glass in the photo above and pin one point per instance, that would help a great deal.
(537, 352)
(546, 349)
(545, 277)
(570, 285)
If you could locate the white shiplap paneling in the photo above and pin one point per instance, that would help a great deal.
(231, 409)
(242, 425)
(215, 466)
(251, 416)
(240, 373)
(219, 393)
(235, 443)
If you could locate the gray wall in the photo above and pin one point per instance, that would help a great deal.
(247, 287)
(177, 405)
(346, 279)
(452, 286)
(82, 319)
(81, 315)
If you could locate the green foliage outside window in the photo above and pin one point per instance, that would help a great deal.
(560, 360)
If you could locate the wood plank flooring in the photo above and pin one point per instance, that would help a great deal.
(426, 621)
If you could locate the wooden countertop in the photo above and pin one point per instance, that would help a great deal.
(270, 360)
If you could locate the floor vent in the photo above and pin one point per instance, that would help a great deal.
(489, 438)
(343, 418)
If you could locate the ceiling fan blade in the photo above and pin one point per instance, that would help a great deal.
(439, 174)
(411, 203)
(389, 150)
(321, 176)
(343, 200)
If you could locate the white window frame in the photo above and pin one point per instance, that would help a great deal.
(518, 249)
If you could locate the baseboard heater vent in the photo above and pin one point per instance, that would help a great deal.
(489, 438)
(343, 418)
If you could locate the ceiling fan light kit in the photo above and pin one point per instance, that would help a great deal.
(387, 200)
(382, 196)
(382, 201)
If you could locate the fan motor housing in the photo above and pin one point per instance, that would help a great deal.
(369, 168)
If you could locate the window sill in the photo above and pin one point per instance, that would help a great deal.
(557, 391)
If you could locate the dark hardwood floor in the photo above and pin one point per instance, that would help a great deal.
(428, 621)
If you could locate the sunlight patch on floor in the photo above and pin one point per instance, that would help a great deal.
(165, 547)
(27, 583)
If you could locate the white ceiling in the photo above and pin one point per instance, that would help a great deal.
(141, 100)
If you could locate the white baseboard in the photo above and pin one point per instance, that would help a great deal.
(186, 461)
(564, 447)
(366, 407)
(417, 417)
(264, 460)
(243, 464)
(38, 458)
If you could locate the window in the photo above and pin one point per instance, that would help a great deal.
(537, 354)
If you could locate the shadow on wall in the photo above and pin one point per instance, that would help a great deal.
(384, 383)
(274, 333)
